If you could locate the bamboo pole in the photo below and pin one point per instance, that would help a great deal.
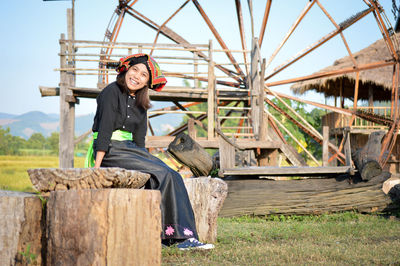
(291, 30)
(165, 23)
(218, 37)
(317, 44)
(176, 38)
(242, 33)
(292, 136)
(333, 73)
(264, 22)
(341, 33)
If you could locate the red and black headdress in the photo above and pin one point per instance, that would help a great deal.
(157, 80)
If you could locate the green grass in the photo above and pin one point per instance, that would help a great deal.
(13, 170)
(336, 239)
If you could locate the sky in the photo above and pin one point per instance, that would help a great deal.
(31, 29)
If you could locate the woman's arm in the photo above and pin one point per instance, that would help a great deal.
(99, 158)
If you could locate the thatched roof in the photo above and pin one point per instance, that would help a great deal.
(379, 78)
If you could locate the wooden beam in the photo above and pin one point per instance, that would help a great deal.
(291, 30)
(293, 170)
(218, 37)
(211, 95)
(318, 43)
(242, 34)
(264, 22)
(333, 73)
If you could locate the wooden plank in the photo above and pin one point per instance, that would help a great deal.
(325, 150)
(295, 170)
(164, 141)
(309, 196)
(226, 154)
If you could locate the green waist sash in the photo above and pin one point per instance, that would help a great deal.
(119, 135)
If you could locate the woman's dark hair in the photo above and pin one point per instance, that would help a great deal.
(142, 95)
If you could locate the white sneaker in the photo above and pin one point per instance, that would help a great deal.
(193, 243)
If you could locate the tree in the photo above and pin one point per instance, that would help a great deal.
(313, 118)
(52, 142)
(37, 141)
(9, 144)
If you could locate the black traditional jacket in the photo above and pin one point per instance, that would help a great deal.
(117, 110)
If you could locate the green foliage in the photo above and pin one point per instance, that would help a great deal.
(37, 141)
(29, 258)
(9, 144)
(53, 141)
(313, 118)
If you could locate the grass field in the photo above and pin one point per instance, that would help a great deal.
(337, 239)
(13, 174)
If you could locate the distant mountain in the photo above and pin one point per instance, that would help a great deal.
(38, 122)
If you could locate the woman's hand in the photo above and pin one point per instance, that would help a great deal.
(99, 158)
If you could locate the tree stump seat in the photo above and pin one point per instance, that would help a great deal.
(53, 179)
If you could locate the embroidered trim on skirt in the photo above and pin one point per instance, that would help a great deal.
(177, 215)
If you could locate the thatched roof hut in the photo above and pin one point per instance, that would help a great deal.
(379, 79)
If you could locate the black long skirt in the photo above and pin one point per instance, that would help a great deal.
(178, 220)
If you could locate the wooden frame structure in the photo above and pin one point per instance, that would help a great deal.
(250, 86)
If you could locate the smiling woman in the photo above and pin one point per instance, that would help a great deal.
(120, 127)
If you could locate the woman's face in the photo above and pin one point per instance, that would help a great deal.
(137, 77)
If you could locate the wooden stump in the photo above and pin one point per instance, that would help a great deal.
(21, 228)
(207, 196)
(309, 196)
(50, 179)
(366, 159)
(104, 227)
(188, 152)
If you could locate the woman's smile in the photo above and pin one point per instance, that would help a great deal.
(137, 77)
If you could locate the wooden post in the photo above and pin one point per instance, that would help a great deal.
(261, 94)
(325, 142)
(191, 129)
(195, 70)
(226, 154)
(104, 227)
(255, 88)
(67, 113)
(211, 94)
(347, 146)
(371, 98)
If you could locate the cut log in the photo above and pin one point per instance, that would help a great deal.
(207, 196)
(366, 159)
(309, 196)
(104, 227)
(50, 179)
(188, 152)
(21, 228)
